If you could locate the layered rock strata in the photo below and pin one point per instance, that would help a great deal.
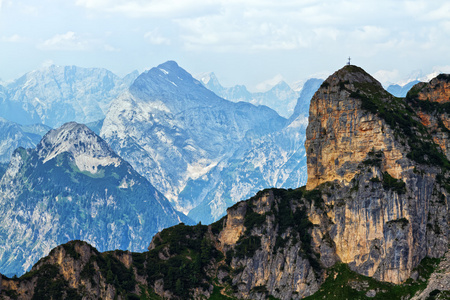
(389, 206)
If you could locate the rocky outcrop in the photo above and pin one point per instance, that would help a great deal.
(258, 249)
(431, 101)
(388, 201)
(340, 133)
(438, 285)
(278, 243)
(437, 90)
(72, 270)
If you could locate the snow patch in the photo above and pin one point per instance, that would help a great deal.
(200, 168)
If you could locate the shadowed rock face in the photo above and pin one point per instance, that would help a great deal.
(389, 207)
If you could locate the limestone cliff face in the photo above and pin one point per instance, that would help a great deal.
(340, 133)
(281, 261)
(437, 90)
(388, 203)
(76, 270)
(431, 101)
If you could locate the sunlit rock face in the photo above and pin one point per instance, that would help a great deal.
(389, 206)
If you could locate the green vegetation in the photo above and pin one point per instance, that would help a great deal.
(217, 295)
(70, 249)
(428, 106)
(189, 252)
(324, 85)
(403, 222)
(246, 247)
(403, 120)
(375, 179)
(444, 77)
(393, 184)
(374, 158)
(252, 219)
(51, 285)
(217, 226)
(297, 220)
(342, 283)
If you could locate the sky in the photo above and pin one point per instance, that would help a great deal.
(250, 42)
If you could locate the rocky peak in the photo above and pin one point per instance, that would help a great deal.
(171, 84)
(431, 100)
(344, 127)
(281, 86)
(210, 81)
(437, 90)
(384, 161)
(88, 149)
(351, 74)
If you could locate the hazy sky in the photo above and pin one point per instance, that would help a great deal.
(243, 42)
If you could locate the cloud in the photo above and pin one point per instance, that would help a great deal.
(47, 63)
(110, 48)
(71, 41)
(155, 38)
(15, 38)
(150, 8)
(68, 41)
(387, 77)
(269, 25)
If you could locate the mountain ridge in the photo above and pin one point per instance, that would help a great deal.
(280, 97)
(73, 186)
(189, 129)
(58, 94)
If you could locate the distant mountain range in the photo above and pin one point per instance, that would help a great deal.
(73, 186)
(13, 135)
(195, 147)
(401, 90)
(56, 95)
(281, 97)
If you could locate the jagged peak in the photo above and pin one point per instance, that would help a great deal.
(166, 76)
(169, 65)
(209, 79)
(281, 85)
(87, 148)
